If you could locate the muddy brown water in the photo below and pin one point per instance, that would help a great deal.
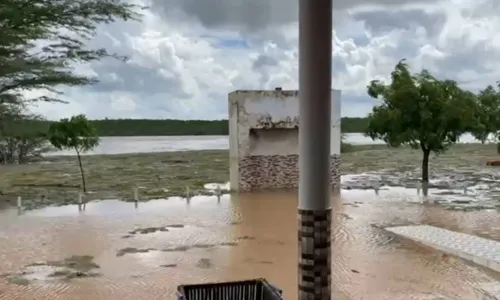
(237, 238)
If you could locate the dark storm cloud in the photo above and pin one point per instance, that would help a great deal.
(157, 95)
(485, 9)
(263, 61)
(253, 15)
(476, 60)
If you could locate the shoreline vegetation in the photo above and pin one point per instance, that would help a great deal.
(149, 127)
(56, 180)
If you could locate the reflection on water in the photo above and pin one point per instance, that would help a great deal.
(240, 237)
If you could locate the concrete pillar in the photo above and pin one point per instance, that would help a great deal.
(314, 211)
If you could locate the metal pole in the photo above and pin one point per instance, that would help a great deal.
(314, 211)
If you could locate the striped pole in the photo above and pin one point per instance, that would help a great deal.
(314, 211)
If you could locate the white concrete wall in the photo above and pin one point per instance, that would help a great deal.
(273, 141)
(336, 118)
(233, 142)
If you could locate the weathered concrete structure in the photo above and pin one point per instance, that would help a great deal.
(264, 139)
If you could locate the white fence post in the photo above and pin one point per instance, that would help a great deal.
(19, 204)
(218, 192)
(136, 194)
(80, 200)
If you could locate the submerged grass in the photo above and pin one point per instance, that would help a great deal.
(56, 181)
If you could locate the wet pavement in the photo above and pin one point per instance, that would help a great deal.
(145, 252)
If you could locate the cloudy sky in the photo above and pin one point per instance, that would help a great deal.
(187, 55)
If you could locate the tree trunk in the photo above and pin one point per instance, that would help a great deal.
(425, 172)
(425, 166)
(84, 186)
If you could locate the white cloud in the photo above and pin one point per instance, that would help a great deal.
(185, 59)
(123, 102)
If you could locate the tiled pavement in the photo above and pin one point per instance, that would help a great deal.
(479, 250)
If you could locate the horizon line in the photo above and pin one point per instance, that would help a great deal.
(156, 119)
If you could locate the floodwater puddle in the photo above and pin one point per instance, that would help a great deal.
(117, 208)
(175, 241)
(182, 248)
(214, 187)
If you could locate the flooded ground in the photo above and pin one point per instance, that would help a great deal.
(144, 252)
(56, 181)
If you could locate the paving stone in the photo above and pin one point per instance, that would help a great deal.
(479, 250)
(489, 291)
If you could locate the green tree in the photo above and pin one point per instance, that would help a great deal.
(20, 139)
(41, 41)
(75, 133)
(488, 115)
(420, 111)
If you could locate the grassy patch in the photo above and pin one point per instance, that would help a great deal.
(56, 181)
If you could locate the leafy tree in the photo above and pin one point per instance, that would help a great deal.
(420, 111)
(488, 115)
(20, 140)
(75, 133)
(41, 41)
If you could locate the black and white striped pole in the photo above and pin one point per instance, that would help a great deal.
(314, 211)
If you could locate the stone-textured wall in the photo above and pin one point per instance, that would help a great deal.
(315, 255)
(261, 172)
(263, 139)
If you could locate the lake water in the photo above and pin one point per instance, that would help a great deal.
(152, 144)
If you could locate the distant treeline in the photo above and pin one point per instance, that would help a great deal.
(148, 127)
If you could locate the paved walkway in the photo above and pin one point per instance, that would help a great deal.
(479, 250)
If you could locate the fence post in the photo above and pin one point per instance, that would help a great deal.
(80, 200)
(136, 194)
(218, 192)
(19, 204)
